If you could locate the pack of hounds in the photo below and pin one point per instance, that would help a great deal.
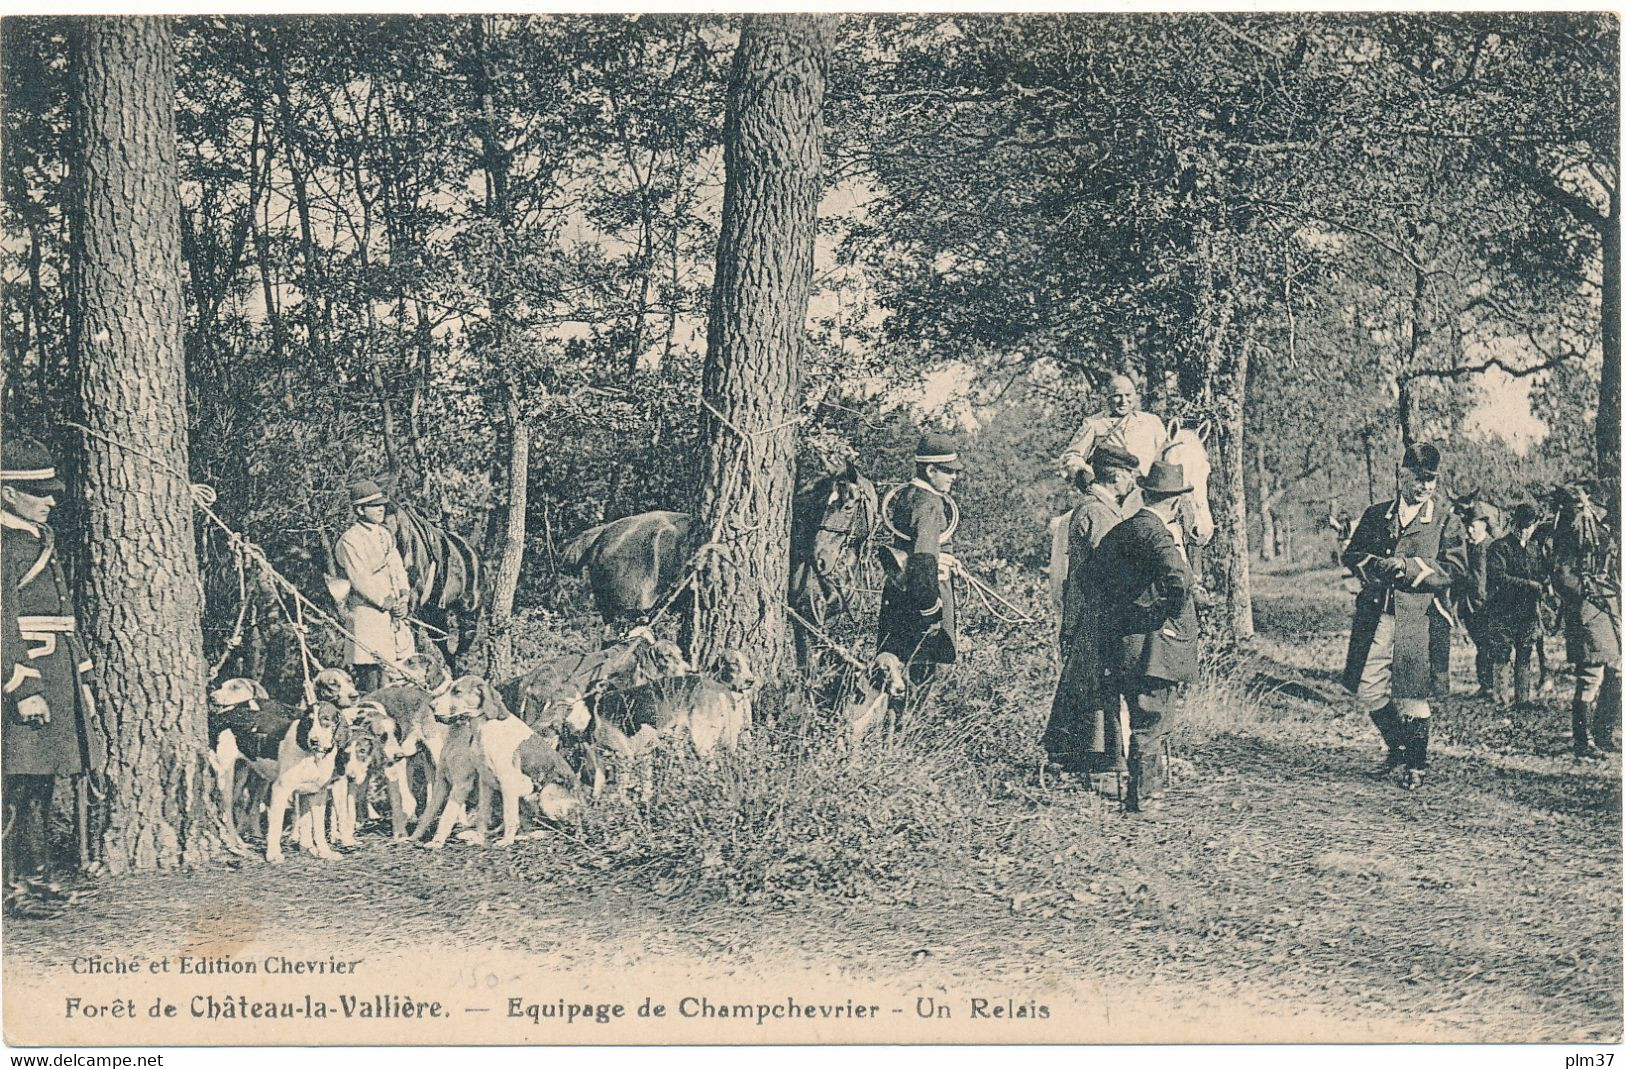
(539, 745)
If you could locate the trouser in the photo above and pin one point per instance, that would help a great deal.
(1376, 686)
(1151, 704)
(1596, 708)
(27, 806)
(1522, 655)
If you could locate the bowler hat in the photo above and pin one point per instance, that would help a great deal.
(937, 448)
(1422, 458)
(1111, 456)
(366, 492)
(1164, 478)
(1524, 514)
(27, 466)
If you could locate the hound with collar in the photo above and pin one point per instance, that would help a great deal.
(508, 757)
(306, 758)
(246, 725)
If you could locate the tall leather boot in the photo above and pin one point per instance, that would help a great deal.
(1605, 713)
(1388, 724)
(1484, 669)
(1144, 793)
(1580, 714)
(1417, 730)
(1498, 684)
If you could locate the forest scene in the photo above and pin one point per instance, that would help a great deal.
(534, 274)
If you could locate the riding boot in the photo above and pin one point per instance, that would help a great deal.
(1484, 669)
(1417, 730)
(1605, 713)
(1388, 723)
(1580, 714)
(1142, 787)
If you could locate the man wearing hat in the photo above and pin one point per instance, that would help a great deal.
(1407, 554)
(51, 724)
(917, 600)
(1473, 591)
(1083, 732)
(378, 599)
(1515, 578)
(1147, 623)
(1585, 572)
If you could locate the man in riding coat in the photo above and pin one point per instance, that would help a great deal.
(379, 601)
(1083, 732)
(1585, 572)
(51, 725)
(917, 600)
(1143, 577)
(1407, 553)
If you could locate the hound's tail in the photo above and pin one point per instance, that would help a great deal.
(574, 555)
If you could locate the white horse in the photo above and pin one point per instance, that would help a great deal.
(1185, 447)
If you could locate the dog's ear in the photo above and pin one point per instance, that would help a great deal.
(492, 702)
(259, 692)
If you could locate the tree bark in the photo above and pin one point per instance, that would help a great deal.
(773, 152)
(1264, 487)
(140, 599)
(1609, 387)
(1226, 558)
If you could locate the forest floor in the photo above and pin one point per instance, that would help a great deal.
(1285, 894)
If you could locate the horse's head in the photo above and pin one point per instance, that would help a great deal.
(841, 510)
(1185, 448)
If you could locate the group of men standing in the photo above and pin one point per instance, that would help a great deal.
(1411, 557)
(1567, 556)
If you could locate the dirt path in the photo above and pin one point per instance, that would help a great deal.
(1288, 896)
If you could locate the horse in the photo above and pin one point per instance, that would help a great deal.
(633, 563)
(444, 574)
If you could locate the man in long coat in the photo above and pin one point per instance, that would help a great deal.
(379, 597)
(51, 726)
(1515, 575)
(917, 600)
(1148, 624)
(1407, 553)
(1586, 574)
(1083, 732)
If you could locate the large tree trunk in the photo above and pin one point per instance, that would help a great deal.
(1608, 398)
(774, 142)
(140, 599)
(1264, 488)
(510, 560)
(1225, 560)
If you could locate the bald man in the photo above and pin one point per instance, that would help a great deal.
(1120, 423)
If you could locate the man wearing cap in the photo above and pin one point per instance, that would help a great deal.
(1515, 579)
(1148, 624)
(378, 600)
(1083, 732)
(1585, 572)
(51, 724)
(1473, 592)
(1122, 424)
(1407, 553)
(917, 600)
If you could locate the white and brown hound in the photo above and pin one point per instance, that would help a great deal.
(509, 757)
(883, 684)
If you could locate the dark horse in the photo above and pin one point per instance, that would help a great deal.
(444, 573)
(632, 563)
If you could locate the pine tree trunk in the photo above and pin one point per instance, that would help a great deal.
(1608, 397)
(1226, 559)
(774, 140)
(140, 598)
